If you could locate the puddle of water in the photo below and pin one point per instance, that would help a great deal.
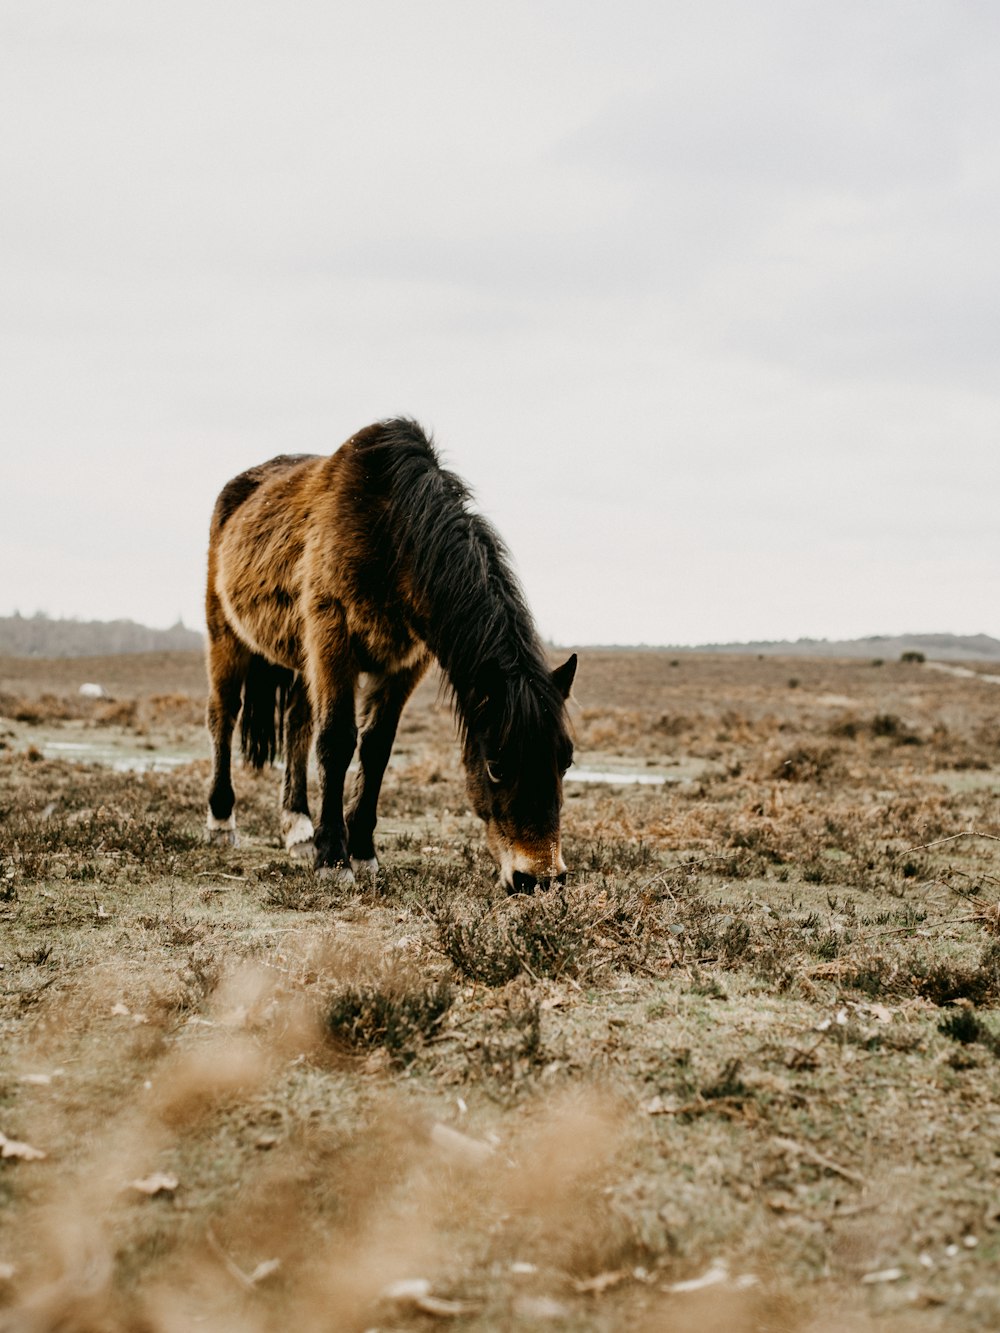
(617, 777)
(124, 760)
(86, 752)
(963, 672)
(965, 780)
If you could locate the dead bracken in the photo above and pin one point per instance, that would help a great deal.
(747, 1055)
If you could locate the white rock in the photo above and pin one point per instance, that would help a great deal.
(713, 1275)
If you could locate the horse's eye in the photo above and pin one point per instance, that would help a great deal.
(493, 771)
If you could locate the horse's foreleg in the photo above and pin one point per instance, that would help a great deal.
(296, 824)
(382, 701)
(227, 667)
(336, 736)
(331, 679)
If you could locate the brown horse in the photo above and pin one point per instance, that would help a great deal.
(332, 583)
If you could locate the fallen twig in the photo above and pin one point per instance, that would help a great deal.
(820, 1159)
(731, 1107)
(968, 833)
(248, 1281)
(924, 927)
(662, 875)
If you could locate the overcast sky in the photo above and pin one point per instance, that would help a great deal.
(702, 298)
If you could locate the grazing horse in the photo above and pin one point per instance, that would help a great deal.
(332, 584)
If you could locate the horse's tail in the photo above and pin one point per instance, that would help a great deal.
(265, 698)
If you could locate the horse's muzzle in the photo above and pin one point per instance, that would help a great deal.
(525, 883)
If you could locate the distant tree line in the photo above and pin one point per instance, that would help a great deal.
(909, 647)
(40, 636)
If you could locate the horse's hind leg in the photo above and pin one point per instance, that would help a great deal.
(381, 702)
(296, 825)
(228, 660)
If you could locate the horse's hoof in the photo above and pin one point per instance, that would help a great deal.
(220, 832)
(221, 837)
(303, 851)
(367, 869)
(297, 831)
(336, 874)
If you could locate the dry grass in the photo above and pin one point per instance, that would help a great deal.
(755, 1040)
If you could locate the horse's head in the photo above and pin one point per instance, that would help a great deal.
(517, 748)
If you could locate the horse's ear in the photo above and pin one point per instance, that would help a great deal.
(563, 675)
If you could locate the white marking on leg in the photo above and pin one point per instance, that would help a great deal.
(365, 868)
(222, 831)
(295, 828)
(338, 874)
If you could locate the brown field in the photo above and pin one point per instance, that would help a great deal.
(744, 1074)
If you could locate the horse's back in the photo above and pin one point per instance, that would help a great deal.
(255, 546)
(235, 493)
(306, 550)
(371, 457)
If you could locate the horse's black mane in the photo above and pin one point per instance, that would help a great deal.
(479, 625)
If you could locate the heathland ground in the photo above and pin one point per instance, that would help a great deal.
(743, 1073)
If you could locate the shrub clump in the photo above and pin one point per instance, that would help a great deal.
(395, 1015)
(965, 1026)
(510, 1052)
(946, 981)
(805, 763)
(891, 727)
(544, 936)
